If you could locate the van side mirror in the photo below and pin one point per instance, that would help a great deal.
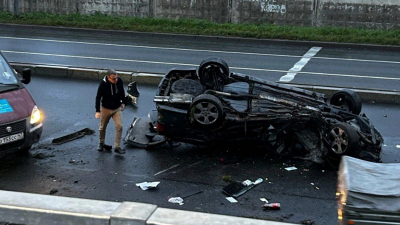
(26, 75)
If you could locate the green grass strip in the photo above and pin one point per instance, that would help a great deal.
(203, 27)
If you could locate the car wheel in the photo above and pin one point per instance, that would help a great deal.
(213, 73)
(187, 86)
(206, 111)
(343, 139)
(348, 100)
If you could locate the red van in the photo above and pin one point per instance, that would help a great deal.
(20, 119)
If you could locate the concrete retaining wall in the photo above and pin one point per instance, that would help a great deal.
(382, 14)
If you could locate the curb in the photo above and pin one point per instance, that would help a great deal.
(148, 78)
(27, 208)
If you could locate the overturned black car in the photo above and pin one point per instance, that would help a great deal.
(211, 106)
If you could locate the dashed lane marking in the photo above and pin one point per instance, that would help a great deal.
(300, 64)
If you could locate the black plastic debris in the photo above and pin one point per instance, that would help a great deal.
(72, 136)
(195, 193)
(137, 138)
(236, 189)
(53, 191)
(132, 94)
(307, 222)
(42, 155)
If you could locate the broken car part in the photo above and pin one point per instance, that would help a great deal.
(72, 136)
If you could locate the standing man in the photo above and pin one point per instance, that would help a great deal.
(111, 94)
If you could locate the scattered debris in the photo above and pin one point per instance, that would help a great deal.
(397, 146)
(312, 184)
(272, 206)
(306, 170)
(235, 189)
(229, 160)
(147, 185)
(264, 200)
(317, 188)
(290, 168)
(247, 183)
(42, 156)
(72, 136)
(307, 222)
(231, 199)
(177, 200)
(52, 192)
(73, 161)
(192, 194)
(287, 216)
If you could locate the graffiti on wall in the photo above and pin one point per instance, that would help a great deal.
(272, 6)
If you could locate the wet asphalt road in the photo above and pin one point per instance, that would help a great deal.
(304, 63)
(77, 169)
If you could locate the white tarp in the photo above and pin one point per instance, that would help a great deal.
(370, 186)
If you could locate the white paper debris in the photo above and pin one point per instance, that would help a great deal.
(312, 183)
(147, 185)
(232, 200)
(247, 183)
(397, 146)
(264, 200)
(177, 200)
(259, 180)
(290, 168)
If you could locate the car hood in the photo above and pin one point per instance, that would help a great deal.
(15, 105)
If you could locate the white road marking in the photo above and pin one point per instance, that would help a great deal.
(149, 47)
(194, 50)
(98, 58)
(300, 64)
(195, 65)
(162, 171)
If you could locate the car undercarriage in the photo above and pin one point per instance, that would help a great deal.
(209, 105)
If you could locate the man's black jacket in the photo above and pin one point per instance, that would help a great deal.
(111, 95)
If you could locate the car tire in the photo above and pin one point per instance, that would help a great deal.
(213, 73)
(348, 100)
(206, 111)
(343, 140)
(187, 86)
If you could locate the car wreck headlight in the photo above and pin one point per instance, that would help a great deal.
(36, 115)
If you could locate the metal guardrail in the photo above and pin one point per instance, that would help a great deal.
(36, 209)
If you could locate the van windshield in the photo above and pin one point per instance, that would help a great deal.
(7, 75)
